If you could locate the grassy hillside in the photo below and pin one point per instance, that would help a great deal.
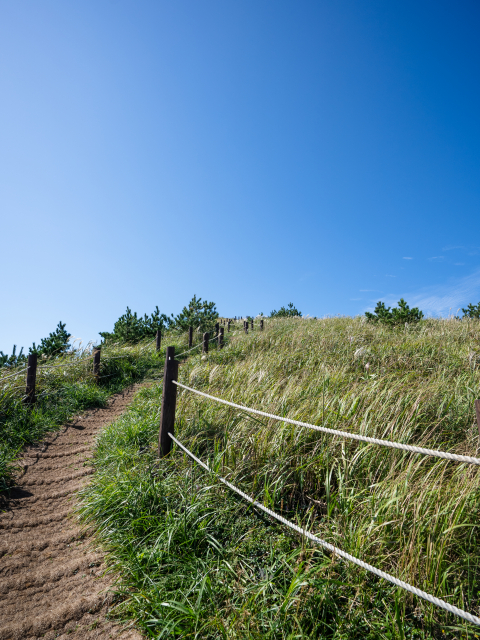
(65, 386)
(194, 560)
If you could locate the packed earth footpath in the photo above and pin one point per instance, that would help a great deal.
(52, 578)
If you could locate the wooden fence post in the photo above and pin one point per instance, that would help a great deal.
(477, 411)
(96, 364)
(220, 338)
(31, 379)
(190, 337)
(217, 329)
(228, 325)
(206, 338)
(245, 325)
(261, 325)
(159, 339)
(252, 324)
(169, 402)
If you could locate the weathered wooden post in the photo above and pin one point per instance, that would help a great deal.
(96, 364)
(190, 337)
(159, 339)
(252, 324)
(217, 329)
(220, 338)
(31, 379)
(261, 324)
(228, 325)
(206, 338)
(245, 325)
(169, 402)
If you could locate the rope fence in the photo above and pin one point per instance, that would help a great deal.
(335, 432)
(166, 438)
(343, 554)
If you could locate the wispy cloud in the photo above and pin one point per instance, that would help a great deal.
(365, 290)
(452, 247)
(437, 258)
(355, 298)
(406, 258)
(440, 300)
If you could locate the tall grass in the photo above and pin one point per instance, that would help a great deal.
(64, 387)
(192, 560)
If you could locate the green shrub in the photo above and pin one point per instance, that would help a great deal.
(14, 360)
(289, 312)
(132, 328)
(202, 316)
(396, 316)
(56, 344)
(472, 311)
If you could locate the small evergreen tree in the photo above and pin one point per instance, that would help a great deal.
(201, 315)
(396, 316)
(472, 311)
(289, 312)
(132, 328)
(14, 360)
(56, 344)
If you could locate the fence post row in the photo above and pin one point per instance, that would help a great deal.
(31, 379)
(159, 339)
(190, 337)
(169, 402)
(206, 338)
(220, 338)
(96, 364)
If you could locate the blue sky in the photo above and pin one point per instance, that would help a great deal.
(254, 153)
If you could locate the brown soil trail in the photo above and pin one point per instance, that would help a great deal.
(51, 579)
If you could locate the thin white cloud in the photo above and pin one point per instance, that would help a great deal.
(442, 299)
(406, 258)
(437, 258)
(459, 264)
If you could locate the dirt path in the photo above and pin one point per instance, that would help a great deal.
(51, 583)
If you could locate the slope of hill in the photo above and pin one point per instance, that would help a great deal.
(193, 559)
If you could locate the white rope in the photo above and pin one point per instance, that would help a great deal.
(177, 355)
(343, 554)
(66, 364)
(188, 350)
(343, 434)
(13, 375)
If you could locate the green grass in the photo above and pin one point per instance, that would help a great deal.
(64, 391)
(192, 560)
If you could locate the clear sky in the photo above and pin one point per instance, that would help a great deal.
(254, 152)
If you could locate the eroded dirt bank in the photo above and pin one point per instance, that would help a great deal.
(51, 583)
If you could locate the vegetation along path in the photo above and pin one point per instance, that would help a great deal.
(52, 582)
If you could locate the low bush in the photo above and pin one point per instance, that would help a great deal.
(289, 312)
(400, 315)
(472, 311)
(199, 314)
(130, 328)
